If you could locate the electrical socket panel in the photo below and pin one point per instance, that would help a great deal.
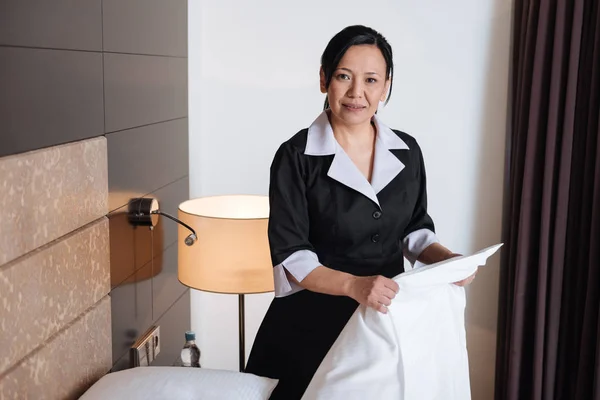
(145, 350)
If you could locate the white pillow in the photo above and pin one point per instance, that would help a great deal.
(182, 383)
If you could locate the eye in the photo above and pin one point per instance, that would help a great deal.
(371, 80)
(343, 76)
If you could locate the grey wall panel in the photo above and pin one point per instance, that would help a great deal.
(122, 363)
(146, 27)
(166, 288)
(48, 97)
(141, 90)
(131, 248)
(131, 310)
(145, 114)
(60, 24)
(169, 198)
(173, 325)
(142, 160)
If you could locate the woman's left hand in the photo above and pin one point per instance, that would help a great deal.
(466, 281)
(436, 253)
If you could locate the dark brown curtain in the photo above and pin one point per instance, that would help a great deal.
(549, 332)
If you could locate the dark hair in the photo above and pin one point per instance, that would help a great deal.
(352, 36)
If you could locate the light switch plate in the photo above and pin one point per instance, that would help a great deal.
(146, 348)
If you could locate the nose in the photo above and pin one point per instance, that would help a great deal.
(355, 90)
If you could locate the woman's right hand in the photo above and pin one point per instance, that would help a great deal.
(373, 291)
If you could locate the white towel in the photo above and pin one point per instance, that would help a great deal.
(417, 351)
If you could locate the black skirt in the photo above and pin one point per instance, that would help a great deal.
(298, 330)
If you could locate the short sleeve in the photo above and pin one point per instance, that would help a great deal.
(289, 226)
(420, 231)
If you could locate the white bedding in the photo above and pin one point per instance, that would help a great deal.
(163, 383)
(417, 351)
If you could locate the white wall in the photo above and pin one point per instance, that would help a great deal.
(253, 78)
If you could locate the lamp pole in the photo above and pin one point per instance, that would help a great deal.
(242, 332)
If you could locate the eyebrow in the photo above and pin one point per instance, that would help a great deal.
(349, 70)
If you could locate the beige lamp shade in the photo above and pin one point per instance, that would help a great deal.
(231, 254)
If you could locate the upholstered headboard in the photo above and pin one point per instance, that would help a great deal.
(54, 282)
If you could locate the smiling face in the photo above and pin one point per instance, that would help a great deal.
(358, 85)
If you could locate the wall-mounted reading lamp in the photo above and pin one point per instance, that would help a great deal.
(145, 212)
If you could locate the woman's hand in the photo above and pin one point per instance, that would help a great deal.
(466, 281)
(373, 291)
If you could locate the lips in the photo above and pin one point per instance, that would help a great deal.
(354, 106)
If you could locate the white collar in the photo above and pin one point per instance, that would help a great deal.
(321, 141)
(386, 166)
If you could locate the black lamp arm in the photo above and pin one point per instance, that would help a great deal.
(141, 211)
(192, 238)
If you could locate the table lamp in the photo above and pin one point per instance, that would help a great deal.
(222, 248)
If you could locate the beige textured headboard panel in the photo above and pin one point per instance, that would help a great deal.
(55, 314)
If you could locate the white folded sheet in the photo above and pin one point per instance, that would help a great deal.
(417, 351)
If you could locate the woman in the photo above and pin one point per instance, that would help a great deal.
(348, 202)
